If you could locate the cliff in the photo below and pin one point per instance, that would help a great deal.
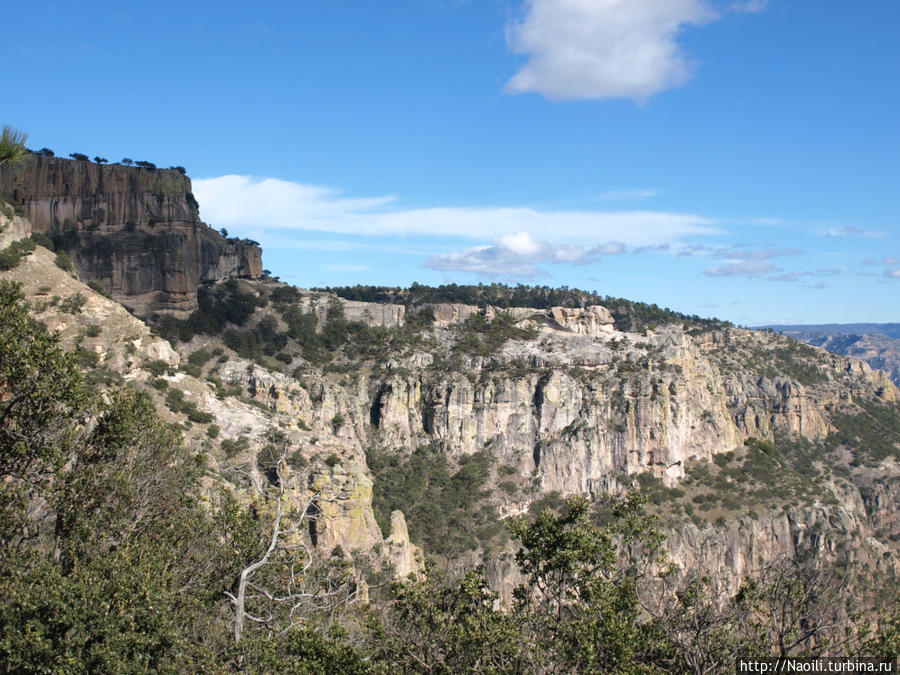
(136, 231)
(753, 446)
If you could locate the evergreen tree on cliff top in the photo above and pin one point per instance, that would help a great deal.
(12, 144)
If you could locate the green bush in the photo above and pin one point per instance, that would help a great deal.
(87, 358)
(42, 239)
(191, 369)
(93, 330)
(73, 304)
(232, 447)
(198, 416)
(12, 255)
(97, 287)
(64, 262)
(337, 422)
(213, 430)
(157, 367)
(200, 357)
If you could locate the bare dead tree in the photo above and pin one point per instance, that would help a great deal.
(300, 583)
(805, 608)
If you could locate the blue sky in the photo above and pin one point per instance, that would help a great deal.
(738, 159)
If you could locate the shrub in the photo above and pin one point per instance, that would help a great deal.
(198, 416)
(42, 239)
(157, 367)
(332, 460)
(191, 369)
(232, 447)
(12, 255)
(97, 287)
(213, 430)
(64, 262)
(337, 422)
(87, 358)
(93, 330)
(73, 304)
(200, 357)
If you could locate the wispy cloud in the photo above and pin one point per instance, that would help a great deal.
(591, 49)
(627, 195)
(747, 268)
(519, 254)
(892, 273)
(851, 231)
(246, 201)
(797, 276)
(734, 252)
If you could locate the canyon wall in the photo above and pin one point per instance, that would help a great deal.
(134, 230)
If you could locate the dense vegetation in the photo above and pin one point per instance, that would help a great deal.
(629, 316)
(447, 511)
(113, 560)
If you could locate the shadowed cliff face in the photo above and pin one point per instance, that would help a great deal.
(136, 231)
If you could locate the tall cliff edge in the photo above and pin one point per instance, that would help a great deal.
(136, 231)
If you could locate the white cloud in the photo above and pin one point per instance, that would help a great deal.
(732, 253)
(890, 260)
(518, 254)
(591, 49)
(783, 277)
(849, 231)
(248, 202)
(823, 272)
(892, 273)
(747, 268)
(623, 195)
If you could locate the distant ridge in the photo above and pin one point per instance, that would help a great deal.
(878, 344)
(891, 330)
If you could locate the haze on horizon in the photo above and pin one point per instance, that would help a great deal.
(726, 158)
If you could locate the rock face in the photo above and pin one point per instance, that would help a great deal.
(12, 227)
(136, 231)
(405, 556)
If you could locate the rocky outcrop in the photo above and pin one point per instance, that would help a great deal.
(12, 227)
(342, 498)
(593, 320)
(405, 556)
(136, 231)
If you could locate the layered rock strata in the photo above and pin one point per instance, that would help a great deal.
(136, 231)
